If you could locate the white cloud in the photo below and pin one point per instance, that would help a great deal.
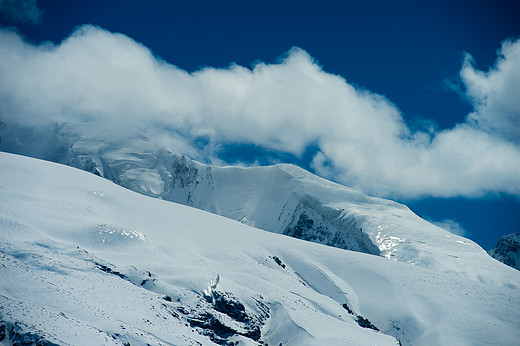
(495, 94)
(109, 79)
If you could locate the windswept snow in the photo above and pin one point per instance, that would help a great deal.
(282, 198)
(84, 261)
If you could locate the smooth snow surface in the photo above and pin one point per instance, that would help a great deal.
(84, 262)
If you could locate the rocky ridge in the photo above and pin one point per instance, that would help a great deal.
(507, 250)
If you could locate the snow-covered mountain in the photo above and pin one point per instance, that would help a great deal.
(507, 250)
(84, 261)
(281, 199)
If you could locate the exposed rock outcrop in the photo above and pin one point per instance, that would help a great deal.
(507, 250)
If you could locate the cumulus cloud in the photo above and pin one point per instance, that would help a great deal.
(20, 11)
(108, 79)
(495, 93)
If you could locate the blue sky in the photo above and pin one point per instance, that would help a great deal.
(410, 53)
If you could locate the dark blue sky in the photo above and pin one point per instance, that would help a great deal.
(407, 51)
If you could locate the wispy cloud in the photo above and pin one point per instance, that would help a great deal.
(108, 79)
(20, 11)
(452, 226)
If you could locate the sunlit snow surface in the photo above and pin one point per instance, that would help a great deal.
(282, 198)
(387, 243)
(86, 262)
(112, 235)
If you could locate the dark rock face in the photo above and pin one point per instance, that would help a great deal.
(3, 332)
(209, 323)
(507, 250)
(184, 172)
(109, 270)
(304, 228)
(230, 306)
(278, 261)
(346, 307)
(363, 322)
(17, 335)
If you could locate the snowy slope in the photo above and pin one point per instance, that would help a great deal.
(84, 261)
(507, 250)
(282, 198)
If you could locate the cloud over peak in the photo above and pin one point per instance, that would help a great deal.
(495, 93)
(108, 79)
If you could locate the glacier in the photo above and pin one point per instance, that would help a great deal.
(85, 261)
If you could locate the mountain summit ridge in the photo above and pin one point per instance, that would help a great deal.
(282, 198)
